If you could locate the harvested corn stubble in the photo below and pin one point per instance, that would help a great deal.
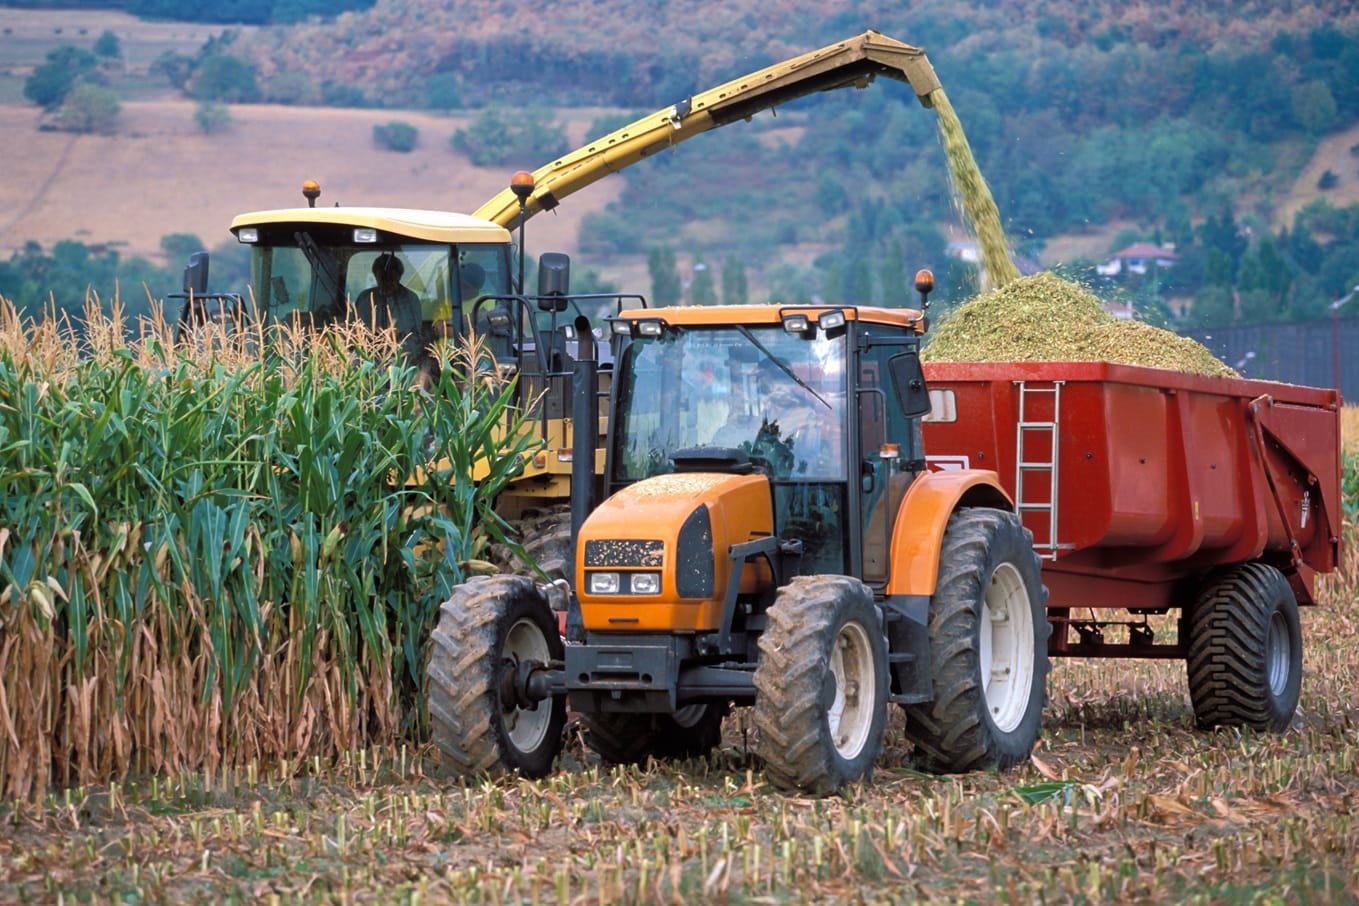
(1044, 318)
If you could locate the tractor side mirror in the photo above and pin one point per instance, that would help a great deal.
(196, 274)
(908, 380)
(554, 281)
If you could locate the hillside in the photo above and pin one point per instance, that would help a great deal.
(160, 175)
(1093, 122)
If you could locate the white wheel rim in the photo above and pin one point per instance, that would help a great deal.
(1005, 649)
(851, 713)
(526, 727)
(1278, 654)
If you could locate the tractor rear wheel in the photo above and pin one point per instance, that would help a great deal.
(545, 535)
(821, 685)
(988, 635)
(1245, 650)
(620, 738)
(491, 632)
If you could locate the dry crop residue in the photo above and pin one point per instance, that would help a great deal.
(1044, 318)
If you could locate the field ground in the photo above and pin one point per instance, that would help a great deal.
(1123, 800)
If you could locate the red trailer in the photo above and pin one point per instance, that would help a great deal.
(1149, 492)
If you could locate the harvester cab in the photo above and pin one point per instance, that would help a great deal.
(769, 536)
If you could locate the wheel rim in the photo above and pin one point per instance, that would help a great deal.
(526, 728)
(1278, 654)
(1005, 649)
(851, 712)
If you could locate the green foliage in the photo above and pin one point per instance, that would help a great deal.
(175, 68)
(211, 117)
(735, 288)
(246, 12)
(296, 529)
(50, 83)
(666, 286)
(1350, 486)
(223, 77)
(443, 91)
(500, 136)
(108, 46)
(89, 108)
(396, 136)
(702, 286)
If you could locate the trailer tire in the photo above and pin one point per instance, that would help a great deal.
(1245, 650)
(821, 685)
(988, 634)
(487, 628)
(627, 738)
(545, 535)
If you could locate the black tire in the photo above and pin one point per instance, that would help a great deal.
(486, 629)
(1245, 650)
(618, 738)
(821, 685)
(989, 689)
(545, 536)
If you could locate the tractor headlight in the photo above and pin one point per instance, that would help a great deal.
(646, 583)
(603, 583)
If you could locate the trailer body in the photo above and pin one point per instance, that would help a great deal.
(1138, 483)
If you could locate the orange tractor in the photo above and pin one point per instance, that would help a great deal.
(769, 536)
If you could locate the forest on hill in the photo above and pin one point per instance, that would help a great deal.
(1184, 124)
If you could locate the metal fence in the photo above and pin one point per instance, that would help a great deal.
(1315, 353)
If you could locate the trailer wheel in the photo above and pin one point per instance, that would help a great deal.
(490, 629)
(545, 536)
(821, 685)
(1245, 650)
(988, 634)
(621, 738)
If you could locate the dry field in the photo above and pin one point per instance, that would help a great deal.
(1123, 801)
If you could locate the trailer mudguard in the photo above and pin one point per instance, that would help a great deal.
(918, 531)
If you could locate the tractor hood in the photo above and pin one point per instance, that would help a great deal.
(654, 556)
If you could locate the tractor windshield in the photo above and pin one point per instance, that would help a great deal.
(776, 397)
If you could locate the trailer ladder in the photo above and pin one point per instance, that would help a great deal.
(1035, 460)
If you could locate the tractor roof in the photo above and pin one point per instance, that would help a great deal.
(720, 315)
(431, 226)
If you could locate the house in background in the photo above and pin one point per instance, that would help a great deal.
(1137, 258)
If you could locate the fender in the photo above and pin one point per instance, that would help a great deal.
(918, 533)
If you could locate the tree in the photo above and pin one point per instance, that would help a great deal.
(211, 117)
(702, 288)
(89, 108)
(499, 136)
(735, 287)
(666, 287)
(175, 67)
(222, 77)
(179, 246)
(50, 83)
(396, 136)
(107, 46)
(1314, 107)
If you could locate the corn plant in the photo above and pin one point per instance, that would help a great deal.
(209, 556)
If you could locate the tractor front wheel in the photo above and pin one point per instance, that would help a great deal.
(492, 632)
(988, 633)
(821, 685)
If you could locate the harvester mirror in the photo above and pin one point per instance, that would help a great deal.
(554, 281)
(196, 274)
(908, 380)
